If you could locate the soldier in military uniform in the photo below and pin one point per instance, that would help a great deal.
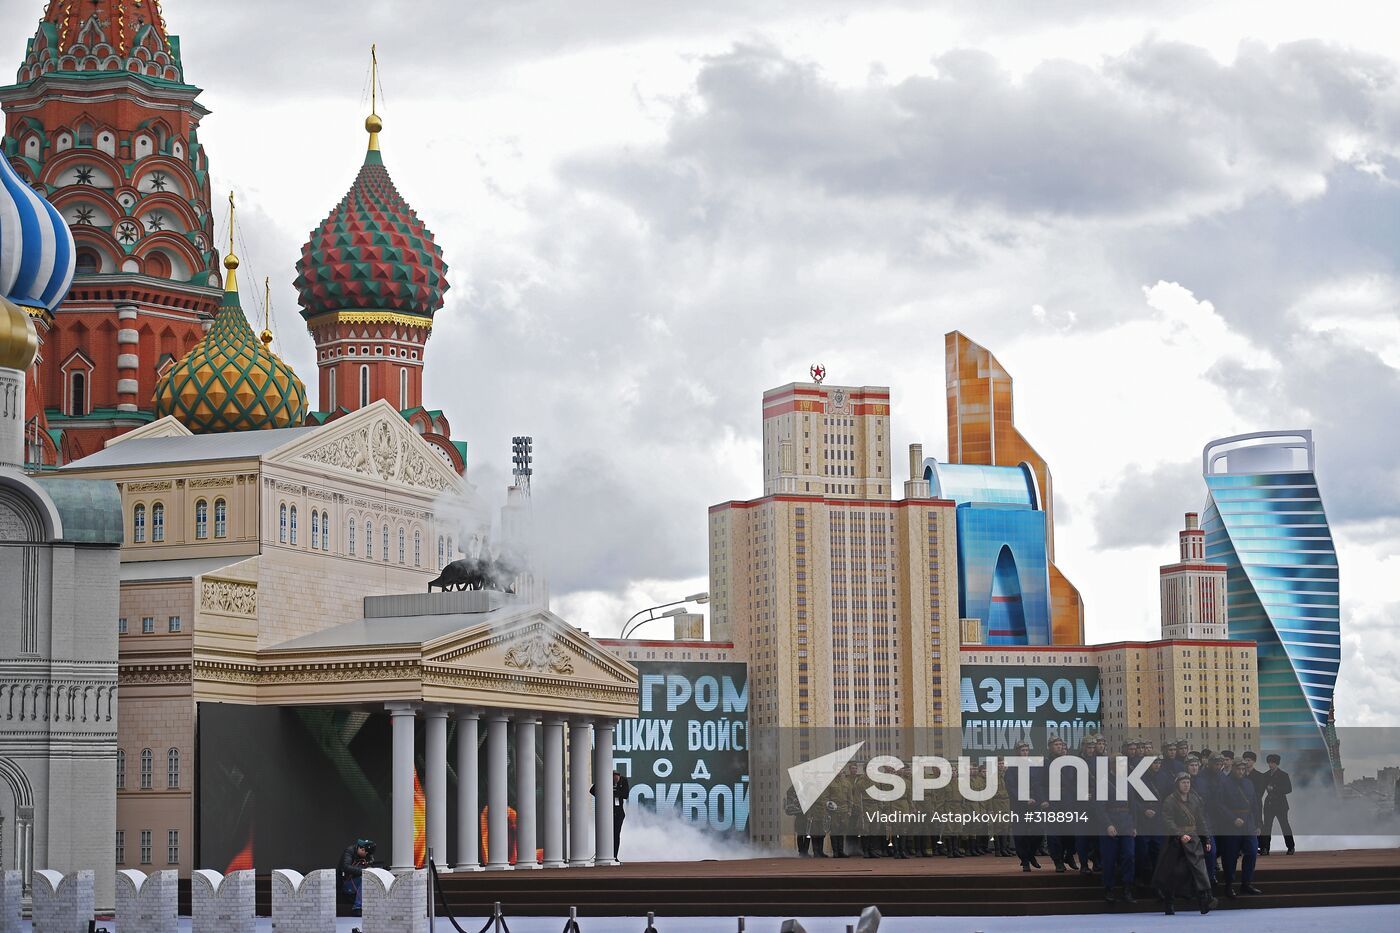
(793, 807)
(1237, 822)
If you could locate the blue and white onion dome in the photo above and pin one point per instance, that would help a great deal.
(37, 260)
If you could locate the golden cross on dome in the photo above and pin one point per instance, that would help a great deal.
(373, 124)
(231, 260)
(266, 335)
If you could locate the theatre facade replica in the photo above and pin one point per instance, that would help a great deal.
(247, 560)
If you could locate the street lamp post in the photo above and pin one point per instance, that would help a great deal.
(635, 623)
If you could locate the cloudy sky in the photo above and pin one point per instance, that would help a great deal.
(1171, 221)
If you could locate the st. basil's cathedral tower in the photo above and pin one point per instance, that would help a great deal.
(369, 281)
(101, 121)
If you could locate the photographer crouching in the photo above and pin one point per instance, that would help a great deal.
(357, 856)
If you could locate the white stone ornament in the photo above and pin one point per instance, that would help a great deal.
(395, 903)
(303, 903)
(62, 903)
(222, 903)
(147, 902)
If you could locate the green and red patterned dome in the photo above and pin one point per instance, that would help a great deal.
(372, 253)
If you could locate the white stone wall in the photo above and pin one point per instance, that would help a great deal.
(147, 902)
(62, 903)
(303, 903)
(395, 904)
(58, 704)
(11, 901)
(222, 903)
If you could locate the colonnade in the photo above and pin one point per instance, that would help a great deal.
(590, 762)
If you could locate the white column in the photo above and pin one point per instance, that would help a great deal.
(401, 803)
(525, 847)
(580, 751)
(435, 779)
(603, 798)
(468, 806)
(554, 792)
(497, 775)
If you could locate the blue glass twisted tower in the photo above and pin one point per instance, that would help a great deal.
(1265, 522)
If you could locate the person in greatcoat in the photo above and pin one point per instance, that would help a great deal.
(1181, 869)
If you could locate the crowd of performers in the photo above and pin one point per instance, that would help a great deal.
(1213, 815)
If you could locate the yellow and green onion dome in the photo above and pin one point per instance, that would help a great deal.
(231, 380)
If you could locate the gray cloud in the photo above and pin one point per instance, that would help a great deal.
(1147, 505)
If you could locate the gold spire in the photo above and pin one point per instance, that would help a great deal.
(230, 260)
(266, 335)
(372, 122)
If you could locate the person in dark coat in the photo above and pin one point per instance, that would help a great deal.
(357, 856)
(1147, 845)
(620, 789)
(1181, 870)
(1025, 835)
(1062, 848)
(1114, 809)
(1237, 829)
(1277, 787)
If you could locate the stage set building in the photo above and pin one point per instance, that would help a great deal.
(259, 551)
(58, 580)
(102, 122)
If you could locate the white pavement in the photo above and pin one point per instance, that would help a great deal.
(1383, 919)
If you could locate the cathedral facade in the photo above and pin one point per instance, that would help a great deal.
(102, 122)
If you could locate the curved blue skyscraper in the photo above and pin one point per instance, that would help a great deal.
(1003, 567)
(1264, 520)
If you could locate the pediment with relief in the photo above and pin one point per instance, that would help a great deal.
(376, 443)
(535, 643)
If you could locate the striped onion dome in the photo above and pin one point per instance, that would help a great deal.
(37, 256)
(231, 380)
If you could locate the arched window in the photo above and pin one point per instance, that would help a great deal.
(294, 525)
(351, 536)
(325, 531)
(364, 386)
(146, 762)
(220, 518)
(403, 388)
(84, 134)
(369, 540)
(158, 522)
(158, 265)
(201, 519)
(121, 769)
(386, 543)
(77, 394)
(138, 524)
(417, 548)
(315, 528)
(401, 546)
(451, 553)
(282, 523)
(88, 262)
(441, 551)
(172, 769)
(330, 401)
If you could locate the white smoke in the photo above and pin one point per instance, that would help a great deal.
(648, 836)
(1323, 821)
(467, 518)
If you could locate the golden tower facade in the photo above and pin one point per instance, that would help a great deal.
(982, 430)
